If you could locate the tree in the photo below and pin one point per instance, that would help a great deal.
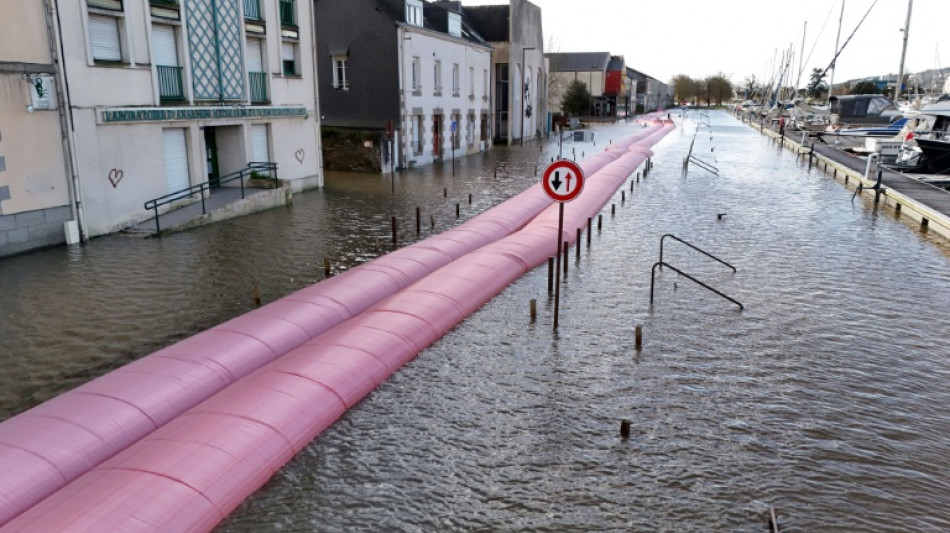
(817, 85)
(865, 87)
(576, 99)
(719, 88)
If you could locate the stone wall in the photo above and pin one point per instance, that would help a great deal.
(30, 230)
(351, 150)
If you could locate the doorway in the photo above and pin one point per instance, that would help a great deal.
(211, 157)
(436, 136)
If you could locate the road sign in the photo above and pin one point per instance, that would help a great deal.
(563, 180)
(454, 125)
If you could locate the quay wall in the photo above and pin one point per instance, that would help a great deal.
(166, 408)
(903, 207)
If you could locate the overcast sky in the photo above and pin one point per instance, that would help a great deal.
(740, 38)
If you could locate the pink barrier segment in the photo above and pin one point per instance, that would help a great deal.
(281, 406)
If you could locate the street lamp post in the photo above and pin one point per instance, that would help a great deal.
(524, 71)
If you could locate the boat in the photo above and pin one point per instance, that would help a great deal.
(935, 144)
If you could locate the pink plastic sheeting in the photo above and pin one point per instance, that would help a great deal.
(106, 415)
(257, 424)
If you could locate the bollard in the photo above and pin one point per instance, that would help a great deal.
(625, 428)
(534, 309)
(445, 192)
(846, 179)
(577, 244)
(432, 221)
(638, 177)
(600, 222)
(469, 198)
(550, 275)
(924, 223)
(257, 295)
(638, 337)
(834, 173)
(623, 197)
(588, 231)
(565, 257)
(613, 209)
(394, 230)
(897, 209)
(326, 267)
(456, 211)
(418, 222)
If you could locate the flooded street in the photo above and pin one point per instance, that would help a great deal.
(825, 397)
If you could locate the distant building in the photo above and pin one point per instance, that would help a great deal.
(410, 78)
(589, 68)
(651, 94)
(518, 68)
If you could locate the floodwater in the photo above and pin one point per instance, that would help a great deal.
(824, 398)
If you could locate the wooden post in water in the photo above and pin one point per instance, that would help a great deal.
(550, 274)
(600, 222)
(638, 337)
(534, 309)
(326, 267)
(418, 221)
(565, 257)
(257, 295)
(613, 209)
(457, 211)
(394, 230)
(623, 196)
(625, 428)
(588, 231)
(577, 244)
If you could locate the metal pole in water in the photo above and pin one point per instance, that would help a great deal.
(550, 274)
(394, 230)
(577, 244)
(534, 309)
(638, 337)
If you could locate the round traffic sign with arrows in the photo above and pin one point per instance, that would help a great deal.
(563, 180)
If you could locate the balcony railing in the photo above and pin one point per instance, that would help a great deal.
(287, 17)
(169, 83)
(252, 10)
(258, 87)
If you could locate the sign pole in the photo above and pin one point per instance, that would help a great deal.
(557, 277)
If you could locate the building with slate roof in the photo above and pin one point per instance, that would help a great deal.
(410, 77)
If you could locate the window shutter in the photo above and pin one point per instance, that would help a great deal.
(176, 159)
(255, 58)
(164, 48)
(259, 143)
(104, 37)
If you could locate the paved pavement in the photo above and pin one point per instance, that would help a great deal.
(219, 198)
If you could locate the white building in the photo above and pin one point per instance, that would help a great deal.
(166, 94)
(445, 85)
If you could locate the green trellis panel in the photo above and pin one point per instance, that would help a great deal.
(217, 51)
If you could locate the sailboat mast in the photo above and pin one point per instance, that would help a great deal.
(900, 73)
(801, 60)
(831, 84)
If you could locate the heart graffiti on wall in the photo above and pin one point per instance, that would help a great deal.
(115, 176)
(299, 155)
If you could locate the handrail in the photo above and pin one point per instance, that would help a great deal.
(258, 167)
(703, 165)
(704, 252)
(680, 272)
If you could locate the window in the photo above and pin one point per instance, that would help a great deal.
(485, 84)
(256, 74)
(288, 15)
(455, 24)
(416, 74)
(417, 129)
(175, 151)
(165, 57)
(414, 12)
(471, 82)
(288, 58)
(437, 76)
(259, 152)
(252, 10)
(455, 79)
(104, 38)
(339, 73)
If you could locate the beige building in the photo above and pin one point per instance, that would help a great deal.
(36, 198)
(161, 95)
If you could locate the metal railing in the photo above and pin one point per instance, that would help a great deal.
(287, 16)
(662, 263)
(170, 86)
(252, 10)
(258, 82)
(267, 169)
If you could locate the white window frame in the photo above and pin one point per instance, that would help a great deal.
(339, 65)
(416, 74)
(437, 75)
(456, 87)
(414, 12)
(485, 84)
(418, 130)
(295, 51)
(471, 83)
(96, 22)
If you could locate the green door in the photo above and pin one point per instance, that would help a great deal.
(211, 154)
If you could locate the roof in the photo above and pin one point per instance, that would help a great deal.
(491, 22)
(579, 61)
(636, 73)
(434, 16)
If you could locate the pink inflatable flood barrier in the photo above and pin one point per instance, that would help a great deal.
(176, 440)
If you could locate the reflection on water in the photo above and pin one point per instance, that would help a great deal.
(825, 398)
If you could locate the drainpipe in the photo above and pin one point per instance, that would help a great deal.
(67, 132)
